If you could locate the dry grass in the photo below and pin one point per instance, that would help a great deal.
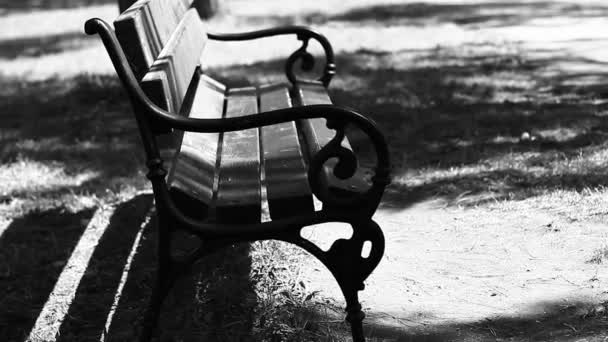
(599, 256)
(287, 310)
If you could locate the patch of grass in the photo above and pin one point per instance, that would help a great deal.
(287, 310)
(28, 5)
(64, 140)
(599, 256)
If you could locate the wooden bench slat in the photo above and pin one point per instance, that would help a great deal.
(166, 16)
(194, 167)
(155, 87)
(318, 135)
(134, 32)
(145, 28)
(168, 80)
(180, 56)
(285, 171)
(239, 188)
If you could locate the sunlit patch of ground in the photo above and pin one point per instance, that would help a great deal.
(32, 177)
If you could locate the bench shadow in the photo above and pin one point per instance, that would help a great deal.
(86, 318)
(44, 45)
(214, 302)
(33, 252)
(549, 321)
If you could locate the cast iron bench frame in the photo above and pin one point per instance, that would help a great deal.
(343, 259)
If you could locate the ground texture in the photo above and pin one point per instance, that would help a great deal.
(495, 113)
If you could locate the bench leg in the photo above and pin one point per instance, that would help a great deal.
(355, 316)
(350, 269)
(163, 283)
(152, 312)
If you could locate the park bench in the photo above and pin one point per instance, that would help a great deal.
(216, 155)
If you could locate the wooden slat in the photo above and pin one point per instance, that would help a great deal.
(134, 32)
(179, 58)
(169, 77)
(239, 188)
(285, 171)
(157, 89)
(166, 15)
(194, 166)
(145, 28)
(318, 135)
(187, 3)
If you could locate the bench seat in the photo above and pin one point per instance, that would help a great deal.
(232, 174)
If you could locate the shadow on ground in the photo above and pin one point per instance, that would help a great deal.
(33, 251)
(499, 13)
(87, 314)
(8, 6)
(40, 46)
(215, 302)
(550, 321)
(78, 125)
(422, 13)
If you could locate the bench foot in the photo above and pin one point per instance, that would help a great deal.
(165, 278)
(350, 268)
(355, 316)
(153, 311)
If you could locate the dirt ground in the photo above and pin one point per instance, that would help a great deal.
(494, 112)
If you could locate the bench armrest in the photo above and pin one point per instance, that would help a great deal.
(302, 33)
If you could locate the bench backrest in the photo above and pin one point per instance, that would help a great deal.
(163, 40)
(170, 74)
(146, 27)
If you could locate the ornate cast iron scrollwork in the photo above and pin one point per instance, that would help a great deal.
(307, 63)
(303, 34)
(345, 168)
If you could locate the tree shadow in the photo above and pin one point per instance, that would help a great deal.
(549, 321)
(78, 126)
(33, 251)
(482, 14)
(86, 318)
(8, 6)
(214, 302)
(48, 44)
(505, 13)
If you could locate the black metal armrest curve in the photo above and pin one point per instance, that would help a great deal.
(302, 33)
